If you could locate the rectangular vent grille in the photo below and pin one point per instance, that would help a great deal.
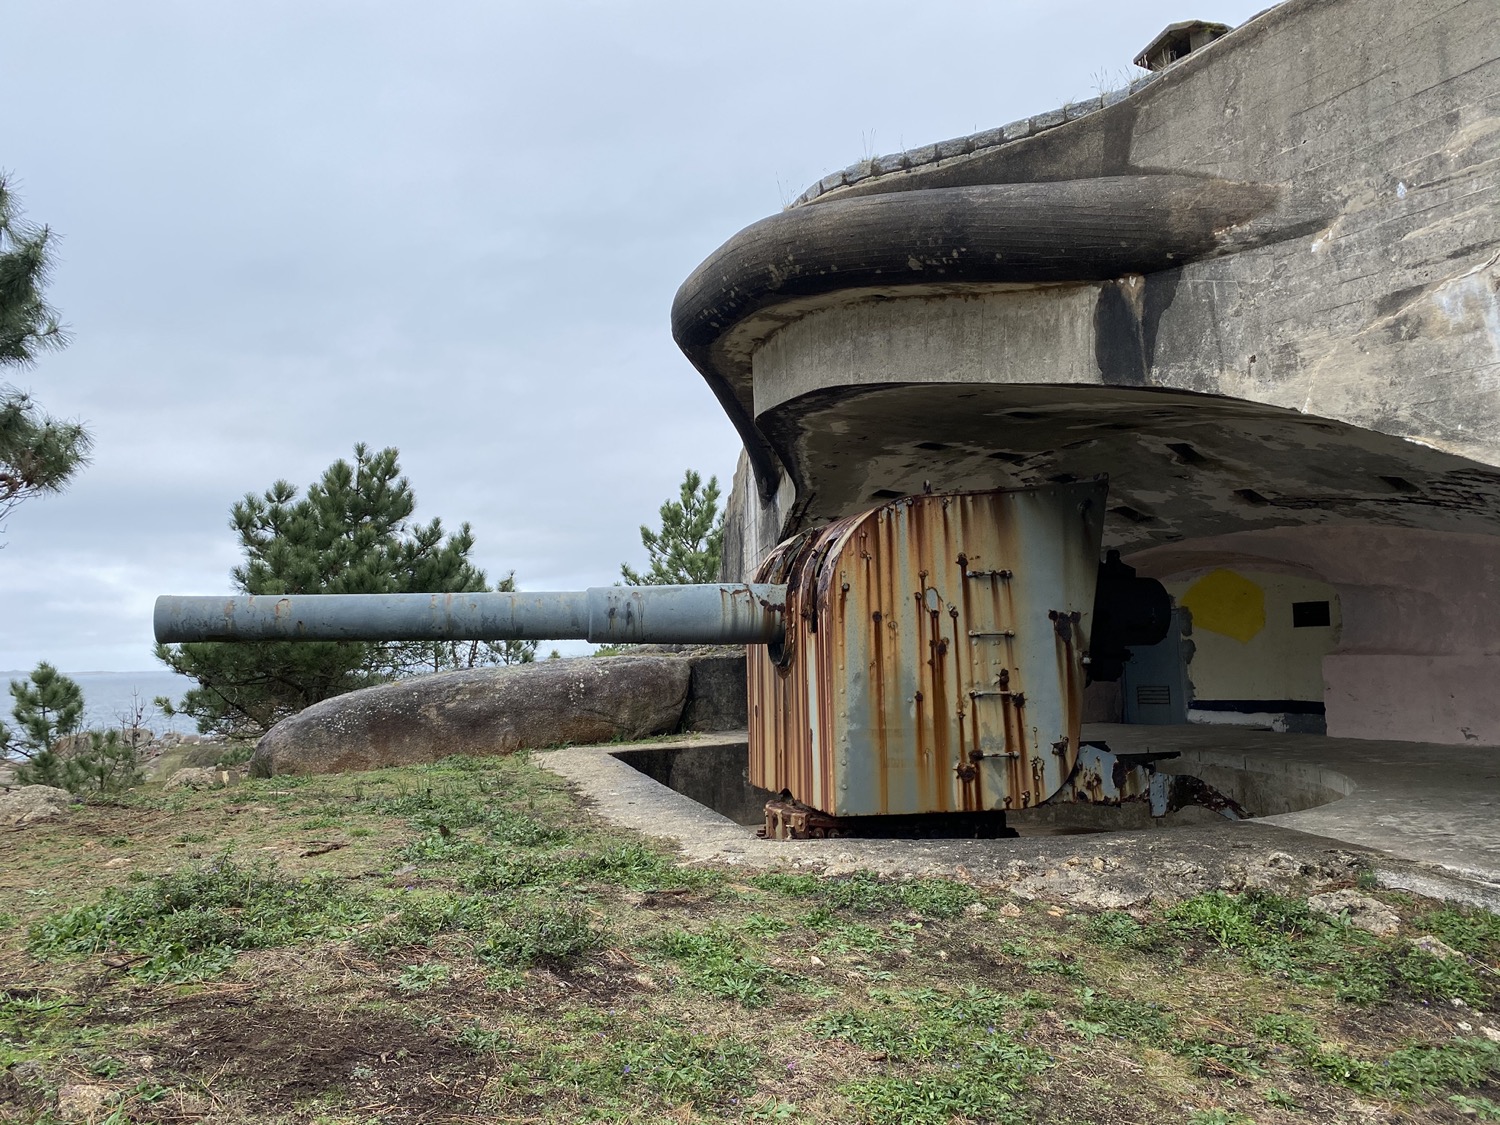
(1153, 695)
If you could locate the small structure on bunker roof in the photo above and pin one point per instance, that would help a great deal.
(1178, 41)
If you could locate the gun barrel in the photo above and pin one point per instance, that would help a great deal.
(723, 613)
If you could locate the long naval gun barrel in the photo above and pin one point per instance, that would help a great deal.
(722, 613)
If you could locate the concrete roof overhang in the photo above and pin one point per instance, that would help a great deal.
(784, 266)
(1259, 240)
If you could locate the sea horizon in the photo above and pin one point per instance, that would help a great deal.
(109, 697)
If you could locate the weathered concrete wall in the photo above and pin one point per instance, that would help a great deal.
(1366, 296)
(751, 527)
(1418, 698)
(1381, 121)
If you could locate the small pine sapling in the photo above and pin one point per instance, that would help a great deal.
(689, 545)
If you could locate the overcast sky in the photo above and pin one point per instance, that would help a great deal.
(455, 228)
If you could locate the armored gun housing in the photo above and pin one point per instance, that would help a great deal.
(927, 657)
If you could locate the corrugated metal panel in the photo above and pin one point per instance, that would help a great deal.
(933, 654)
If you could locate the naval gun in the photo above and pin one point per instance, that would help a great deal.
(919, 663)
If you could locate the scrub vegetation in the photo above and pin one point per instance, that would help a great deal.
(464, 942)
(50, 746)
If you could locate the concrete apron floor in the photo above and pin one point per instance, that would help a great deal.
(1426, 805)
(1421, 816)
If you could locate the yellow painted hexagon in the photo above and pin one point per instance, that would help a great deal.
(1228, 603)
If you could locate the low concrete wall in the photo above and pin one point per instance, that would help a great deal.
(713, 774)
(1262, 786)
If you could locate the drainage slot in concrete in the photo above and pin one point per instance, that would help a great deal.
(1068, 819)
(717, 776)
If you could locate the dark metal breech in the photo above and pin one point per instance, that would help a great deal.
(726, 613)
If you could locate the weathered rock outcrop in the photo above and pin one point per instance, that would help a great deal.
(1359, 910)
(716, 697)
(32, 803)
(480, 712)
(199, 777)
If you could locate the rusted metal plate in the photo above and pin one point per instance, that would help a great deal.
(1102, 777)
(933, 657)
(788, 820)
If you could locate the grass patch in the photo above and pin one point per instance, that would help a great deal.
(33, 1026)
(421, 978)
(1471, 931)
(1114, 929)
(681, 1066)
(1481, 1109)
(536, 933)
(848, 937)
(944, 1055)
(1285, 938)
(869, 894)
(420, 916)
(1135, 1021)
(647, 1067)
(632, 866)
(475, 945)
(1412, 1070)
(456, 807)
(716, 962)
(937, 1098)
(508, 934)
(763, 925)
(190, 923)
(791, 886)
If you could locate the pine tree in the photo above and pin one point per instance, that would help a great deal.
(38, 454)
(351, 533)
(52, 747)
(688, 546)
(48, 709)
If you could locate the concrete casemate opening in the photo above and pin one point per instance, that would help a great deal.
(1246, 649)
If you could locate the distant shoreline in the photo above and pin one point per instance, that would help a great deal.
(108, 697)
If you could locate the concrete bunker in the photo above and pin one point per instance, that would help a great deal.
(1289, 379)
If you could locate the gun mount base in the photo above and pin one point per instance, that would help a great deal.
(789, 819)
